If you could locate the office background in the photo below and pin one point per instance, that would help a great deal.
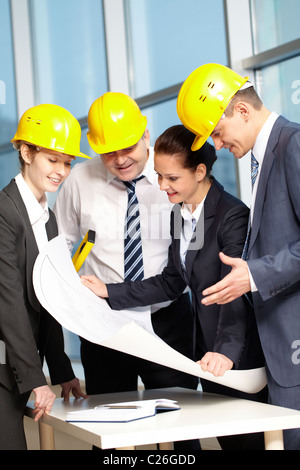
(69, 52)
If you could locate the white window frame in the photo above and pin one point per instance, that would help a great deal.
(240, 46)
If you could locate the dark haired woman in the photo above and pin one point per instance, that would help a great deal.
(205, 220)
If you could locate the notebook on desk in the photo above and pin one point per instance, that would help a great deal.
(122, 412)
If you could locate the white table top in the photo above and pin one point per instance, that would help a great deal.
(202, 415)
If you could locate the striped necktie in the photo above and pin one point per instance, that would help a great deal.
(133, 255)
(254, 169)
(254, 173)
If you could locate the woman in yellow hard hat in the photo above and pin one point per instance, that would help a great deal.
(48, 139)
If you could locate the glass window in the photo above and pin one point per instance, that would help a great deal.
(9, 166)
(168, 39)
(69, 53)
(275, 22)
(280, 88)
(8, 107)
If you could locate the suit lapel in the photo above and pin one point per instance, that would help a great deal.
(51, 226)
(206, 219)
(31, 246)
(263, 179)
(177, 223)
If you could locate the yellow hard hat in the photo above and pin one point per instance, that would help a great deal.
(51, 127)
(115, 122)
(203, 98)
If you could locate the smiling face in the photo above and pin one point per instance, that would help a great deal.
(44, 170)
(128, 163)
(181, 184)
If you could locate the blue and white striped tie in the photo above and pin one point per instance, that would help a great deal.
(254, 173)
(254, 169)
(133, 255)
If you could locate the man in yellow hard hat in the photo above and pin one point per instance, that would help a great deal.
(215, 101)
(95, 197)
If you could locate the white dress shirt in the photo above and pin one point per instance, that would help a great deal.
(259, 150)
(91, 198)
(38, 212)
(190, 220)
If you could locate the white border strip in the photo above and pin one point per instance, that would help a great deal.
(240, 46)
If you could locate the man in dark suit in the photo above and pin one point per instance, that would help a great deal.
(270, 267)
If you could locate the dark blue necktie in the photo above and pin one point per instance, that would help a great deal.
(254, 173)
(133, 255)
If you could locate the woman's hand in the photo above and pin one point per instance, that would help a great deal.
(95, 284)
(215, 363)
(74, 387)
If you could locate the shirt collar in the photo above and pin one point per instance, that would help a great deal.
(261, 142)
(35, 209)
(188, 215)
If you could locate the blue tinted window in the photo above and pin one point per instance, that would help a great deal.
(9, 166)
(8, 107)
(280, 88)
(69, 52)
(275, 22)
(170, 38)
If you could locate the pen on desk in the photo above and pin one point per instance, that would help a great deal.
(120, 407)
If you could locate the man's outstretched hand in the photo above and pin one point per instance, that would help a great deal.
(235, 284)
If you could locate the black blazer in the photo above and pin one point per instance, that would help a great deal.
(28, 331)
(228, 329)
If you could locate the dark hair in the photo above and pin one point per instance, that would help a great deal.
(177, 140)
(249, 95)
(33, 149)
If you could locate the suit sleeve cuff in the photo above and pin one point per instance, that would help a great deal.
(252, 283)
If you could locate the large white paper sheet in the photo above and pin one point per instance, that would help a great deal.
(60, 291)
(76, 308)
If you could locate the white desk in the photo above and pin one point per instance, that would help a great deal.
(202, 415)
